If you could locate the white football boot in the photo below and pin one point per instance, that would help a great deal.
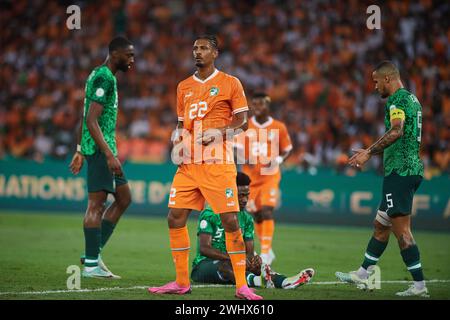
(412, 291)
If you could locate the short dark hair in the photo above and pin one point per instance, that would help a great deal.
(387, 67)
(242, 179)
(119, 43)
(262, 95)
(211, 39)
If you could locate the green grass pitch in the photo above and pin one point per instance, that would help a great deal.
(36, 250)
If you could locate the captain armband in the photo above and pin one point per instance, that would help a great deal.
(396, 113)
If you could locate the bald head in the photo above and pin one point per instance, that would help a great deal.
(387, 78)
(387, 68)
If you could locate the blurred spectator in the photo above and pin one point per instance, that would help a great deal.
(315, 58)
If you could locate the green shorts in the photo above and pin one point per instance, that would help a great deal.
(398, 194)
(207, 271)
(99, 177)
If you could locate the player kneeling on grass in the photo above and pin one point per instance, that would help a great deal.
(212, 263)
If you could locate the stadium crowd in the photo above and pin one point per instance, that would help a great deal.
(314, 58)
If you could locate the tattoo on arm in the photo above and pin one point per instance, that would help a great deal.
(386, 140)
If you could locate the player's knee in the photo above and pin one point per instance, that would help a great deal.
(177, 218)
(258, 217)
(230, 222)
(405, 240)
(96, 208)
(94, 213)
(267, 215)
(381, 232)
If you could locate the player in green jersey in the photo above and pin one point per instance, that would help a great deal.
(212, 263)
(403, 172)
(97, 143)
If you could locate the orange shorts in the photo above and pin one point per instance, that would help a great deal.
(266, 194)
(195, 183)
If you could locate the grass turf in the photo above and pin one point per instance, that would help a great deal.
(36, 250)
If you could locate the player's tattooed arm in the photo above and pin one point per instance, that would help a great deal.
(363, 155)
(388, 138)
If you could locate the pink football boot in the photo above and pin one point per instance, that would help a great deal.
(246, 293)
(170, 288)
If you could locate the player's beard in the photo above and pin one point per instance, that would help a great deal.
(123, 66)
(199, 64)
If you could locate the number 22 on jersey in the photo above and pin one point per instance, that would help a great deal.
(198, 110)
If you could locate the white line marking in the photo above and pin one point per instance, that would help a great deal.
(194, 286)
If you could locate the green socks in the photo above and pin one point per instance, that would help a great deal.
(107, 230)
(411, 257)
(278, 280)
(92, 237)
(95, 240)
(256, 281)
(374, 250)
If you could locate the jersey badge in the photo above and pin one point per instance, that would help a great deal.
(213, 91)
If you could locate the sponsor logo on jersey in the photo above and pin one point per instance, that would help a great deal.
(203, 224)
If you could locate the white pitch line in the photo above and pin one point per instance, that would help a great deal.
(194, 286)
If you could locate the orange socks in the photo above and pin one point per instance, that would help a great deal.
(268, 226)
(236, 250)
(180, 245)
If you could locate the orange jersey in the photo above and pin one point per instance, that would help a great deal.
(261, 143)
(207, 104)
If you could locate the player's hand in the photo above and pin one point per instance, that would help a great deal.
(114, 165)
(253, 264)
(274, 162)
(208, 136)
(177, 135)
(77, 163)
(360, 157)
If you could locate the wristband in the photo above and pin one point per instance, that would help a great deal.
(78, 148)
(278, 159)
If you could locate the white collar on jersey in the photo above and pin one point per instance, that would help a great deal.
(207, 79)
(262, 125)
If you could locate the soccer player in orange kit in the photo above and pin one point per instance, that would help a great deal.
(269, 144)
(211, 103)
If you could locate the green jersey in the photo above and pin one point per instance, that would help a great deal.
(403, 156)
(101, 87)
(210, 223)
